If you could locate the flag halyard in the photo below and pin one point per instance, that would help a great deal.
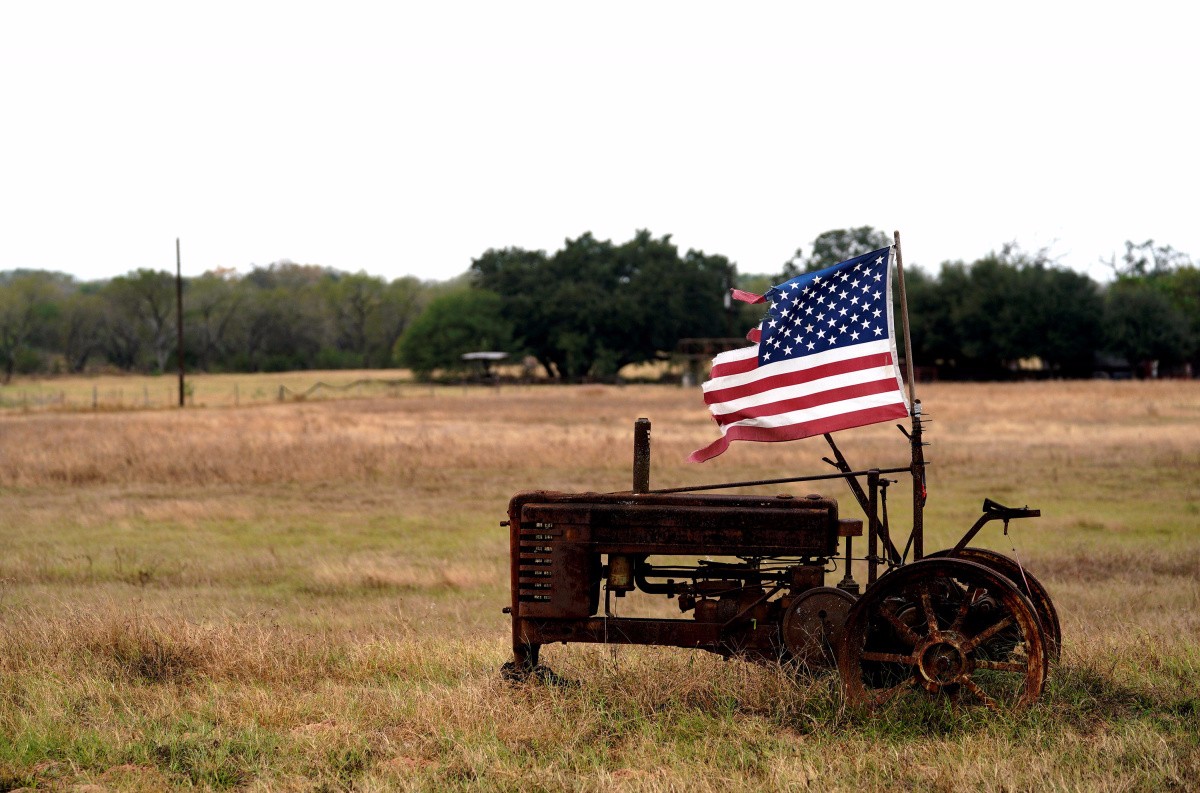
(824, 360)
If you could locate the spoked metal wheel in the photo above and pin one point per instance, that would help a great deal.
(946, 627)
(1029, 586)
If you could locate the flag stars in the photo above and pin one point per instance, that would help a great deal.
(813, 313)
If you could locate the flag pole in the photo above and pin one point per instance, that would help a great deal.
(914, 437)
(912, 395)
(179, 319)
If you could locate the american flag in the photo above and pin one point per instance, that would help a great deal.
(824, 359)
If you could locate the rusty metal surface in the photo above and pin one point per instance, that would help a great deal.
(566, 546)
(784, 481)
(950, 627)
(641, 455)
(839, 462)
(1026, 583)
(993, 511)
(812, 626)
(967, 624)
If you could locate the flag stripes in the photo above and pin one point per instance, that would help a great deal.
(834, 390)
(824, 359)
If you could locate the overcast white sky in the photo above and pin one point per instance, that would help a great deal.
(407, 138)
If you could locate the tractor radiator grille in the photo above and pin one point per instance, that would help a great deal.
(536, 573)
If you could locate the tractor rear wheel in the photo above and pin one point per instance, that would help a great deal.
(948, 627)
(1030, 587)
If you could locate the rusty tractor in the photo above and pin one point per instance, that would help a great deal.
(749, 576)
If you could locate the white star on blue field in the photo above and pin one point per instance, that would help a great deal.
(836, 307)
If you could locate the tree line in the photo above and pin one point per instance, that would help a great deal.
(279, 317)
(590, 308)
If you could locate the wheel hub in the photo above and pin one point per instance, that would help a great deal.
(942, 661)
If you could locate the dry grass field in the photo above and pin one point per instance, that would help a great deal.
(308, 595)
(141, 392)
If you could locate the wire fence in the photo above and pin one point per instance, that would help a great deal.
(220, 391)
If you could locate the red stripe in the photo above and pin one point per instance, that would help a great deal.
(806, 429)
(742, 366)
(747, 297)
(785, 379)
(810, 400)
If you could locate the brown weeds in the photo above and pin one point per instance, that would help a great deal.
(308, 595)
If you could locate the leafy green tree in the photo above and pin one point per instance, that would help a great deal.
(934, 337)
(81, 328)
(148, 299)
(1173, 275)
(27, 309)
(279, 327)
(1147, 260)
(1182, 287)
(832, 247)
(1142, 324)
(211, 303)
(288, 275)
(457, 322)
(1063, 323)
(399, 304)
(123, 333)
(594, 307)
(352, 302)
(521, 278)
(672, 297)
(980, 319)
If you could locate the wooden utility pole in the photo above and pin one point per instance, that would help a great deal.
(179, 317)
